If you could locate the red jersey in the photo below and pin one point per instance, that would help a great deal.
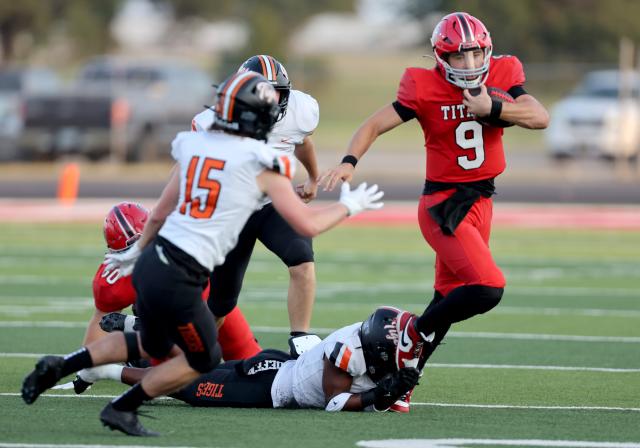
(113, 292)
(459, 149)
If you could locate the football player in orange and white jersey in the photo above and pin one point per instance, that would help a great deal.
(219, 179)
(464, 156)
(291, 135)
(352, 369)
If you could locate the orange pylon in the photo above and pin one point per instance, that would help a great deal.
(69, 184)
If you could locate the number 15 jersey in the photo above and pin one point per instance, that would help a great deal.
(459, 149)
(218, 191)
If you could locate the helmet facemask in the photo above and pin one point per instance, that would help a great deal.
(463, 77)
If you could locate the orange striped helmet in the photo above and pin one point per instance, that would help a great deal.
(274, 72)
(246, 105)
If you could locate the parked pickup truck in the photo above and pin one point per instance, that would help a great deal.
(601, 117)
(127, 109)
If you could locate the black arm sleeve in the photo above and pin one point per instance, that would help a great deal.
(517, 91)
(403, 111)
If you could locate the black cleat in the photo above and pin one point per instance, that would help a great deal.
(112, 322)
(80, 385)
(125, 421)
(46, 374)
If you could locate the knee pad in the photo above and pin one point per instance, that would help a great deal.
(205, 362)
(133, 350)
(300, 251)
(488, 297)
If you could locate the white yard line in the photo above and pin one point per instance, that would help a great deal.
(437, 365)
(52, 445)
(442, 405)
(452, 443)
(453, 334)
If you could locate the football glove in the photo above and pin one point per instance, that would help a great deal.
(119, 322)
(123, 260)
(301, 342)
(393, 386)
(360, 198)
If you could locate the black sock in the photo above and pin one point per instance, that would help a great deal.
(78, 360)
(460, 304)
(131, 399)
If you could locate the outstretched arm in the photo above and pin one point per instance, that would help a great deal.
(380, 122)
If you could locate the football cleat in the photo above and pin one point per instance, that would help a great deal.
(402, 405)
(410, 342)
(125, 421)
(80, 385)
(46, 374)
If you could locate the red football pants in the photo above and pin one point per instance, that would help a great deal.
(463, 258)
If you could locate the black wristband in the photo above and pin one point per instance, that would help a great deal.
(368, 398)
(350, 159)
(496, 109)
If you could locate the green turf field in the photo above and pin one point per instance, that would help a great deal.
(559, 359)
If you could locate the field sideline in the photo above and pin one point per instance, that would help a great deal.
(557, 363)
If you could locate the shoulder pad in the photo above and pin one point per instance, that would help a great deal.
(305, 110)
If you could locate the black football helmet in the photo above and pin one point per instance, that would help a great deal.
(274, 71)
(379, 338)
(246, 105)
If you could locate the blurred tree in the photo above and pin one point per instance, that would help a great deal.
(87, 23)
(548, 30)
(17, 17)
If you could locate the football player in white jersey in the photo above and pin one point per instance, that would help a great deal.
(290, 135)
(352, 369)
(219, 179)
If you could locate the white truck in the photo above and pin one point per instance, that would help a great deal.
(600, 117)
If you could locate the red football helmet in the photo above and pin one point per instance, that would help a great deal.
(123, 225)
(458, 32)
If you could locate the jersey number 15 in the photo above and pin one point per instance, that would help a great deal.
(196, 207)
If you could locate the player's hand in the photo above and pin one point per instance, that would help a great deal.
(478, 104)
(302, 342)
(308, 190)
(393, 386)
(361, 198)
(124, 260)
(343, 172)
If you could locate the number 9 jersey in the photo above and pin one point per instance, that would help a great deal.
(218, 191)
(459, 149)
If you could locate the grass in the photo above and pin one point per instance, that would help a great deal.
(575, 283)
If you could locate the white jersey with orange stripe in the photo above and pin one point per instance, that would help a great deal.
(300, 121)
(218, 191)
(299, 382)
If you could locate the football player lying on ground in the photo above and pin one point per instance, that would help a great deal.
(113, 292)
(219, 179)
(352, 369)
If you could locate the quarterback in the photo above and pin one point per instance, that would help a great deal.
(462, 119)
(224, 173)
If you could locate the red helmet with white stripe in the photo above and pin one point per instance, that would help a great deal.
(459, 32)
(123, 225)
(246, 105)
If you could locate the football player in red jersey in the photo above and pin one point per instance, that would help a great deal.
(113, 292)
(463, 158)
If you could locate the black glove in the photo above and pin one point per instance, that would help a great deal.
(393, 386)
(300, 342)
(80, 385)
(117, 322)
